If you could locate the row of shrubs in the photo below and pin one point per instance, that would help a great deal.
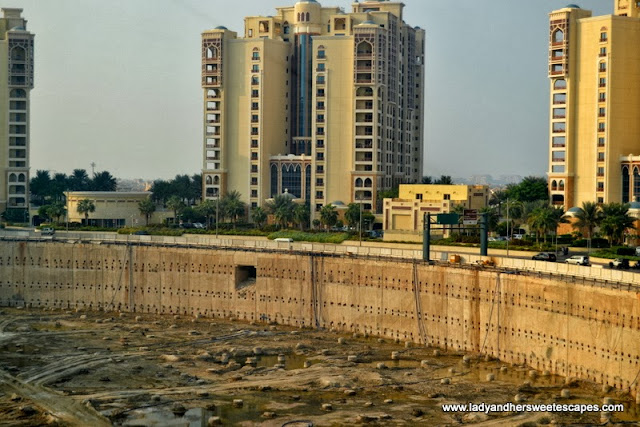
(301, 236)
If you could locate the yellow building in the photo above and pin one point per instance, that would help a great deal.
(406, 213)
(113, 209)
(16, 82)
(322, 104)
(594, 68)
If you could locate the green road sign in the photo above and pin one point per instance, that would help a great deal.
(448, 219)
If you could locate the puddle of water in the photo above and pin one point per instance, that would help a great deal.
(196, 417)
(292, 361)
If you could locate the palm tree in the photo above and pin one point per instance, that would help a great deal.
(146, 208)
(103, 181)
(40, 186)
(56, 210)
(615, 220)
(86, 206)
(282, 208)
(207, 209)
(444, 180)
(301, 215)
(79, 180)
(176, 204)
(259, 217)
(588, 217)
(231, 206)
(426, 180)
(352, 215)
(328, 215)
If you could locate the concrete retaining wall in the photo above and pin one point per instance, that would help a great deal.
(586, 329)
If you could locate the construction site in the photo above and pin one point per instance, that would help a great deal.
(95, 368)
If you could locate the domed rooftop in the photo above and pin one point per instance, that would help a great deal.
(634, 205)
(308, 1)
(220, 27)
(572, 6)
(337, 203)
(20, 28)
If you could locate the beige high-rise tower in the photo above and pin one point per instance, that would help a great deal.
(594, 67)
(16, 82)
(315, 102)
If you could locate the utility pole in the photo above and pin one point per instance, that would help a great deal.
(508, 234)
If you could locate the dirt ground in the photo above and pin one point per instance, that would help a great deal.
(90, 368)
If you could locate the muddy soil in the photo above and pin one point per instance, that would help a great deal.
(92, 368)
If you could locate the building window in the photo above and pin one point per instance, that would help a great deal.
(319, 194)
(254, 131)
(320, 105)
(254, 205)
(320, 131)
(603, 51)
(601, 142)
(320, 143)
(603, 82)
(292, 180)
(558, 36)
(602, 97)
(600, 187)
(560, 84)
(557, 68)
(602, 112)
(255, 80)
(254, 105)
(557, 169)
(601, 157)
(321, 66)
(254, 168)
(255, 68)
(602, 66)
(254, 193)
(254, 143)
(255, 56)
(255, 93)
(601, 127)
(320, 156)
(320, 93)
(321, 54)
(560, 98)
(254, 180)
(320, 80)
(319, 182)
(250, 32)
(600, 171)
(603, 36)
(320, 169)
(320, 118)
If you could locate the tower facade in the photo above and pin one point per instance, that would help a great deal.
(314, 102)
(16, 82)
(594, 66)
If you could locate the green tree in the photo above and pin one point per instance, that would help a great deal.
(40, 186)
(103, 181)
(232, 207)
(615, 220)
(328, 215)
(146, 208)
(529, 190)
(444, 180)
(302, 215)
(78, 180)
(426, 180)
(86, 206)
(492, 217)
(316, 223)
(43, 212)
(282, 208)
(259, 217)
(497, 199)
(588, 217)
(56, 210)
(207, 208)
(352, 215)
(176, 204)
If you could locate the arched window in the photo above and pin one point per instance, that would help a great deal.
(22, 178)
(285, 27)
(364, 48)
(18, 53)
(216, 180)
(554, 185)
(560, 84)
(212, 93)
(299, 17)
(364, 91)
(359, 182)
(636, 184)
(209, 180)
(307, 17)
(255, 80)
(367, 183)
(625, 184)
(557, 36)
(292, 179)
(18, 93)
(561, 185)
(255, 54)
(274, 180)
(212, 52)
(307, 183)
(13, 178)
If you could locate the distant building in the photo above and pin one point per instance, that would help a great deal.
(113, 209)
(324, 104)
(16, 82)
(406, 213)
(594, 64)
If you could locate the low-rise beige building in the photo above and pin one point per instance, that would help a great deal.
(406, 213)
(113, 209)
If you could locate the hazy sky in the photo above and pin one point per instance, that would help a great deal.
(118, 82)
